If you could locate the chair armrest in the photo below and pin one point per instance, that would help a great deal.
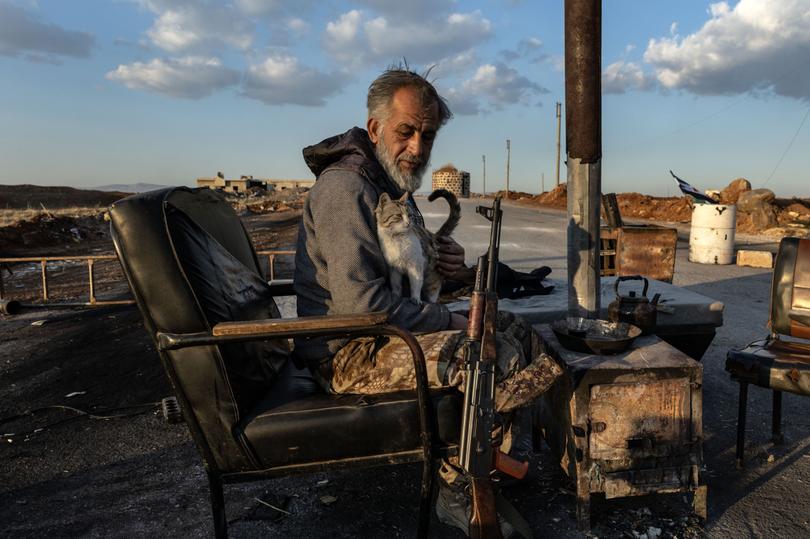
(256, 330)
(300, 325)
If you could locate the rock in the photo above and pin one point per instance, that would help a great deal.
(755, 259)
(653, 532)
(732, 192)
(759, 203)
(750, 201)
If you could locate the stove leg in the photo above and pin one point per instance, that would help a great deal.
(699, 501)
(743, 405)
(583, 501)
(776, 420)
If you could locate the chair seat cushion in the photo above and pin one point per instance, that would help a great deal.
(776, 364)
(323, 427)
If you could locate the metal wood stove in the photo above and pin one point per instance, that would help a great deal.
(626, 424)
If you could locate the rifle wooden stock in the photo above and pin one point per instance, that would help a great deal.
(475, 320)
(484, 516)
(510, 466)
(489, 351)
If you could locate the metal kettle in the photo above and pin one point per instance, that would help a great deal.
(636, 310)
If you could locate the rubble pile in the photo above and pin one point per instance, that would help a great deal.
(261, 201)
(759, 211)
(48, 230)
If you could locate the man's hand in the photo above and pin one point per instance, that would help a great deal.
(451, 256)
(457, 321)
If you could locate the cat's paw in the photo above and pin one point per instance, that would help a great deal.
(418, 301)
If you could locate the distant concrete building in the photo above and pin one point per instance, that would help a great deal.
(230, 186)
(289, 184)
(454, 180)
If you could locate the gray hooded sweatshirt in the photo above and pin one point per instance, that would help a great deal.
(339, 266)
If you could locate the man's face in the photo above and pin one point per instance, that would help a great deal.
(404, 142)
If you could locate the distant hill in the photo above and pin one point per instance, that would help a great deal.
(130, 187)
(53, 197)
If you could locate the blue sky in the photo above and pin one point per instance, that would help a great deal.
(96, 92)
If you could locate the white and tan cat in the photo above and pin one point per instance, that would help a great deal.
(411, 249)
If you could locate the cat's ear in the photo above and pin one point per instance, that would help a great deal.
(404, 197)
(384, 198)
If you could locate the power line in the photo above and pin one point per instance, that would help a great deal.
(792, 140)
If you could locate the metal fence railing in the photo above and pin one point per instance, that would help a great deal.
(91, 261)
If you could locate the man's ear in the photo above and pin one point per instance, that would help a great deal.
(372, 126)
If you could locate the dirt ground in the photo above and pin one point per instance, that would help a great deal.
(68, 474)
(793, 214)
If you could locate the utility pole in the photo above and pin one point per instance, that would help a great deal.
(559, 106)
(542, 183)
(508, 156)
(484, 159)
(583, 143)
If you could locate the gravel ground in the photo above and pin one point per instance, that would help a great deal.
(138, 476)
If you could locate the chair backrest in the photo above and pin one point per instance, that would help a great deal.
(190, 265)
(790, 289)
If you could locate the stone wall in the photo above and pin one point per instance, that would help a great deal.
(455, 181)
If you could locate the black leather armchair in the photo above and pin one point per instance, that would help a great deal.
(199, 286)
(774, 362)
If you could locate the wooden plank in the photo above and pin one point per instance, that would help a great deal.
(337, 323)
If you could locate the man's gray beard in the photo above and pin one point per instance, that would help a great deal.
(408, 182)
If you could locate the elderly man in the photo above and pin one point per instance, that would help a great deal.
(340, 269)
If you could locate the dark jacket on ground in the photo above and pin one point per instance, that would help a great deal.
(339, 266)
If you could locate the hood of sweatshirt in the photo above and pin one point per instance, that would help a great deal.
(352, 151)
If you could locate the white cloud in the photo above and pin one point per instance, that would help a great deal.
(194, 25)
(192, 77)
(454, 64)
(259, 7)
(273, 8)
(621, 76)
(299, 26)
(530, 47)
(355, 39)
(22, 33)
(493, 86)
(411, 10)
(281, 80)
(756, 45)
(342, 37)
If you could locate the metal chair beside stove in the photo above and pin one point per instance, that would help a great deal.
(775, 362)
(198, 283)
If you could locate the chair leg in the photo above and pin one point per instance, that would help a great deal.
(741, 424)
(426, 497)
(776, 422)
(218, 506)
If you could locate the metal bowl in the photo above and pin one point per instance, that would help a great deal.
(595, 336)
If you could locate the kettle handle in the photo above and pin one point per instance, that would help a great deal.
(631, 278)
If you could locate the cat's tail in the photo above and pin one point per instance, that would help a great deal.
(455, 211)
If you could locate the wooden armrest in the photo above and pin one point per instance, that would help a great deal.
(308, 323)
(254, 330)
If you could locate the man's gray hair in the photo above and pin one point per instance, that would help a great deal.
(382, 90)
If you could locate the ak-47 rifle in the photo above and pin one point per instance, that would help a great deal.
(477, 457)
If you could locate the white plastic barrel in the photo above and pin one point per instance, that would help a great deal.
(711, 240)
